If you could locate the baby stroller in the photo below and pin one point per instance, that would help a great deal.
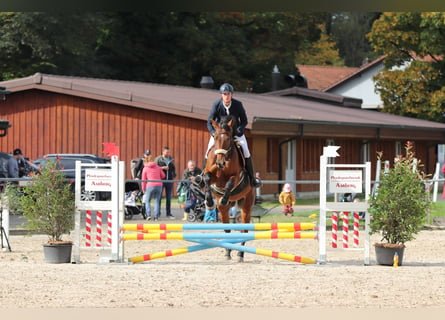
(133, 201)
(198, 211)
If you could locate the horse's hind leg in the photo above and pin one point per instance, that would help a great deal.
(246, 205)
(240, 254)
(227, 251)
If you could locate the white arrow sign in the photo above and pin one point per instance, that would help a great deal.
(330, 151)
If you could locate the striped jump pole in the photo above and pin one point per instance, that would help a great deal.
(345, 228)
(170, 253)
(109, 229)
(258, 251)
(206, 244)
(356, 229)
(334, 229)
(98, 229)
(222, 226)
(220, 235)
(88, 228)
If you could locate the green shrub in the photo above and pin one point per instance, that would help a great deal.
(399, 209)
(47, 202)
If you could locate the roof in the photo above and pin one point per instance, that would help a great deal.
(321, 77)
(196, 102)
(325, 78)
(357, 73)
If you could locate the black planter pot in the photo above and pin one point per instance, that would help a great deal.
(57, 253)
(385, 255)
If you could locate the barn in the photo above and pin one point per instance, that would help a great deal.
(286, 133)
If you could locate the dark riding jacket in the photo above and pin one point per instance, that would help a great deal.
(236, 110)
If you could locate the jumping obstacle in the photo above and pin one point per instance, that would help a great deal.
(207, 240)
(340, 179)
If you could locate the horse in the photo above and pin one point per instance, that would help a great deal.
(225, 178)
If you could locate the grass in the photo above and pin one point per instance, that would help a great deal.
(437, 210)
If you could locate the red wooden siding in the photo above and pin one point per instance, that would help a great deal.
(45, 122)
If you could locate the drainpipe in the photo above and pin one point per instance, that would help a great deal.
(280, 156)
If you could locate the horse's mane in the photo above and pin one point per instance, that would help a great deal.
(224, 123)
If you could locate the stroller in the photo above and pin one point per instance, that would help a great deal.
(133, 201)
(198, 211)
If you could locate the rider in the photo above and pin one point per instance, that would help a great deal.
(225, 106)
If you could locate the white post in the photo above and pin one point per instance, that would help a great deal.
(322, 223)
(115, 208)
(117, 229)
(436, 182)
(329, 151)
(367, 240)
(5, 226)
(77, 215)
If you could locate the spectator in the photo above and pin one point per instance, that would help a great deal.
(166, 162)
(139, 165)
(152, 189)
(13, 164)
(287, 199)
(189, 175)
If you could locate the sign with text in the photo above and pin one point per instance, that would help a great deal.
(98, 180)
(345, 181)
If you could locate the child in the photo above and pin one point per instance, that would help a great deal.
(287, 199)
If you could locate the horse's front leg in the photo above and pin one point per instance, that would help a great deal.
(224, 201)
(208, 193)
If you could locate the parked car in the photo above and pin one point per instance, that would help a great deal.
(67, 164)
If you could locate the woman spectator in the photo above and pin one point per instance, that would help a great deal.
(152, 189)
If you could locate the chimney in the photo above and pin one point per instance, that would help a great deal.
(275, 78)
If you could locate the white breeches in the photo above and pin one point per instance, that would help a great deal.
(241, 141)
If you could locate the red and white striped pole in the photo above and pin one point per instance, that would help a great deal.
(88, 228)
(356, 229)
(98, 229)
(109, 229)
(334, 229)
(345, 229)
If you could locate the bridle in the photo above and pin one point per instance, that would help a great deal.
(225, 152)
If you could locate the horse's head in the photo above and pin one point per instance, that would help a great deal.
(223, 140)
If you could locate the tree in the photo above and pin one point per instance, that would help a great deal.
(348, 30)
(163, 47)
(413, 82)
(58, 43)
(323, 52)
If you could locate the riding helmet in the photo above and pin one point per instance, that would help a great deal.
(226, 88)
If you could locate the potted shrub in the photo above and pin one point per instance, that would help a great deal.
(47, 203)
(399, 208)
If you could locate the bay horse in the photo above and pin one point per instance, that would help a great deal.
(225, 178)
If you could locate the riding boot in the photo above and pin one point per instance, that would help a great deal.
(254, 181)
(204, 164)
